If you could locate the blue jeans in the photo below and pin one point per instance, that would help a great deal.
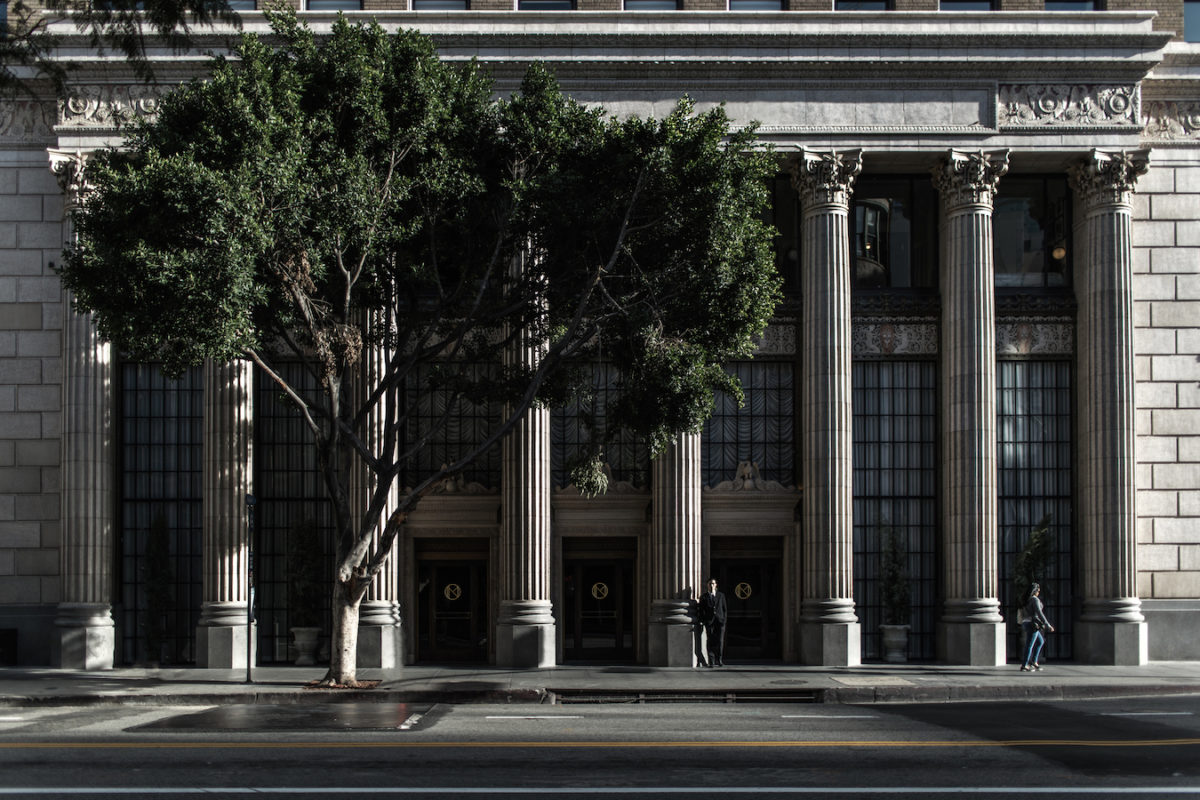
(1034, 640)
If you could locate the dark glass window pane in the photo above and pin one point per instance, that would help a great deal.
(453, 427)
(1031, 230)
(546, 5)
(894, 233)
(627, 457)
(756, 5)
(243, 5)
(440, 5)
(863, 5)
(651, 5)
(333, 5)
(1191, 20)
(784, 215)
(966, 5)
(895, 480)
(762, 431)
(1073, 5)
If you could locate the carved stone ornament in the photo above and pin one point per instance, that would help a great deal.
(1107, 179)
(886, 337)
(826, 178)
(1034, 337)
(26, 120)
(68, 168)
(1172, 121)
(748, 478)
(1052, 105)
(970, 178)
(108, 107)
(777, 340)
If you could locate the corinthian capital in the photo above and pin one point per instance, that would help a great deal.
(969, 179)
(68, 168)
(826, 178)
(1107, 179)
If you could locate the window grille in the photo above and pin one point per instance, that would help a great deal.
(160, 516)
(1035, 479)
(762, 431)
(465, 425)
(627, 456)
(895, 491)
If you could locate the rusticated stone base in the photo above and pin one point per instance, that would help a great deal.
(85, 638)
(1120, 644)
(224, 646)
(976, 644)
(525, 635)
(380, 646)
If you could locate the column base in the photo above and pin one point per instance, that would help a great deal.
(380, 646)
(86, 638)
(224, 646)
(674, 638)
(525, 635)
(1119, 644)
(975, 644)
(830, 644)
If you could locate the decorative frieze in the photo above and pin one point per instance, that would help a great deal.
(106, 106)
(779, 339)
(1107, 179)
(1172, 121)
(887, 337)
(748, 478)
(26, 120)
(1055, 105)
(1032, 336)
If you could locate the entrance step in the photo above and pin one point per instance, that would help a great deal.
(633, 696)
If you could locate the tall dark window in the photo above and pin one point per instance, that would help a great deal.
(1191, 20)
(784, 215)
(292, 501)
(161, 476)
(1034, 417)
(454, 426)
(627, 456)
(894, 238)
(1031, 226)
(761, 431)
(895, 492)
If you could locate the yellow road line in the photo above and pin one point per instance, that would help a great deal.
(932, 743)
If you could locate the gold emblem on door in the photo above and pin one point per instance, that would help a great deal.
(452, 591)
(743, 591)
(599, 590)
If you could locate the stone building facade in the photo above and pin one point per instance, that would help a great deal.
(990, 242)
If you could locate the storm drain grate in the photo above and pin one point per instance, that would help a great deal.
(573, 696)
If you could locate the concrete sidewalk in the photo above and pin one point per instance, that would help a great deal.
(871, 683)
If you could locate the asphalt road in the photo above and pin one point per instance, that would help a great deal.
(1115, 748)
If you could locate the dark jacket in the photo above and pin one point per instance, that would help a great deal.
(713, 609)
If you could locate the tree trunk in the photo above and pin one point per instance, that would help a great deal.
(343, 651)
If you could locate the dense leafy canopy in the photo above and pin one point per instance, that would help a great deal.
(311, 200)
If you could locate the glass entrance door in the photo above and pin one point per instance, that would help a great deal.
(750, 580)
(452, 611)
(598, 608)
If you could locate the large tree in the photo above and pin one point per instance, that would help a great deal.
(324, 198)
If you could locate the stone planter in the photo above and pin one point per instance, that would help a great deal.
(895, 643)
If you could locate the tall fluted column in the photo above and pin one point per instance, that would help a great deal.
(675, 554)
(380, 636)
(829, 629)
(525, 635)
(84, 620)
(228, 434)
(971, 629)
(1111, 628)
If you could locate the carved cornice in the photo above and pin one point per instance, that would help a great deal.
(970, 178)
(889, 337)
(1172, 121)
(1052, 105)
(1107, 179)
(1030, 336)
(826, 177)
(107, 107)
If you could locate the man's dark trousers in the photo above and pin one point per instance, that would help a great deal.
(713, 612)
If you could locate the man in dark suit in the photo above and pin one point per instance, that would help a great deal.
(712, 615)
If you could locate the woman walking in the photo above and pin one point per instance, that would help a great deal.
(1035, 623)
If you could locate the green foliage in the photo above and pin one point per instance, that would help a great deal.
(1033, 561)
(308, 577)
(895, 589)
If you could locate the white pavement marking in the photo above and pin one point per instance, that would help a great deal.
(408, 723)
(531, 716)
(828, 716)
(1093, 791)
(1148, 714)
